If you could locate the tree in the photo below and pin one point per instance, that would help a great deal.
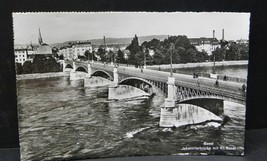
(233, 52)
(159, 57)
(51, 65)
(192, 55)
(89, 56)
(102, 53)
(27, 67)
(220, 54)
(202, 56)
(111, 56)
(134, 48)
(120, 57)
(153, 44)
(139, 59)
(38, 64)
(43, 64)
(61, 57)
(244, 52)
(184, 58)
(19, 69)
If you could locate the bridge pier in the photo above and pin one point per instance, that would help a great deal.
(167, 114)
(89, 71)
(87, 81)
(74, 66)
(64, 66)
(73, 74)
(171, 97)
(115, 78)
(112, 89)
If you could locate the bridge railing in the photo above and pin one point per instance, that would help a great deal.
(220, 77)
(207, 75)
(239, 95)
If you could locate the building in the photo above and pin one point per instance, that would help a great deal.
(73, 50)
(80, 47)
(24, 53)
(43, 49)
(21, 55)
(205, 44)
(242, 42)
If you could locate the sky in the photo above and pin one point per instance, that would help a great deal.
(59, 27)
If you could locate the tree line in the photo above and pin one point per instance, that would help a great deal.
(40, 64)
(177, 48)
(180, 50)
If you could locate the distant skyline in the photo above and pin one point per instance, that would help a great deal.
(67, 26)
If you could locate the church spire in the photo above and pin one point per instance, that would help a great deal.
(40, 40)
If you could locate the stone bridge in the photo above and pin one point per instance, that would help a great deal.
(127, 83)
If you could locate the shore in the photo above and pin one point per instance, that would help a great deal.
(202, 64)
(41, 75)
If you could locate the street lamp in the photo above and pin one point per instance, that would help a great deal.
(92, 57)
(88, 56)
(144, 51)
(214, 64)
(171, 50)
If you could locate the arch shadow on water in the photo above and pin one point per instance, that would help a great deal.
(138, 83)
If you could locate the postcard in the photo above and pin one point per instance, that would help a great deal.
(109, 84)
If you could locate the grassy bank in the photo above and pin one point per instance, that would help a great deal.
(41, 75)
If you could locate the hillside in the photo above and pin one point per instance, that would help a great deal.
(124, 41)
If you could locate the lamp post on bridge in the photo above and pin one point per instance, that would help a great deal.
(171, 50)
(144, 51)
(92, 57)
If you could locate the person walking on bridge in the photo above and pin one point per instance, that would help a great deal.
(217, 82)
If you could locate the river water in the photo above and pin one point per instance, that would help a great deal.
(61, 119)
(239, 71)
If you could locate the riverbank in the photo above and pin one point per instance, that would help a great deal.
(41, 75)
(202, 64)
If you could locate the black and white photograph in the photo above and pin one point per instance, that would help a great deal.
(120, 84)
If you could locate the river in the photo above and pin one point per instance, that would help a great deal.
(61, 119)
(239, 71)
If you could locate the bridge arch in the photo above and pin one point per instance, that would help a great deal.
(138, 83)
(81, 69)
(210, 103)
(102, 73)
(68, 66)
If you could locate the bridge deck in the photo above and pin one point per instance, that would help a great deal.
(227, 89)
